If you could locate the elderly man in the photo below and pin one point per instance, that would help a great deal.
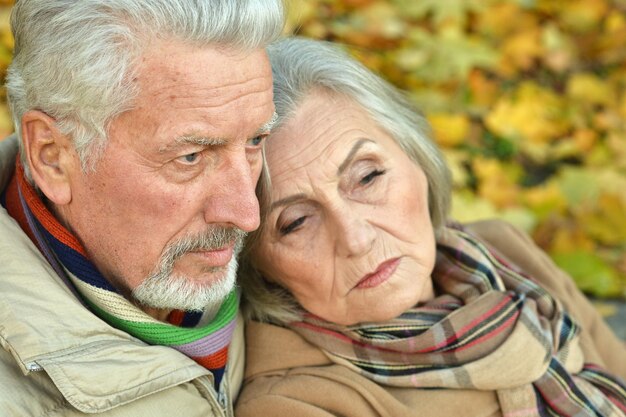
(140, 126)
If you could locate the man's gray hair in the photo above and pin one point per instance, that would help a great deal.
(301, 66)
(75, 59)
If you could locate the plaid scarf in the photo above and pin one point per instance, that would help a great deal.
(491, 328)
(207, 345)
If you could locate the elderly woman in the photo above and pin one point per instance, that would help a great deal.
(368, 302)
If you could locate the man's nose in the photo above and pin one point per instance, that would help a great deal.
(355, 234)
(232, 199)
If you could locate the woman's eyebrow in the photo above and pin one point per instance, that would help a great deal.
(288, 200)
(299, 197)
(351, 154)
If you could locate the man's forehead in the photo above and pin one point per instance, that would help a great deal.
(175, 62)
(210, 81)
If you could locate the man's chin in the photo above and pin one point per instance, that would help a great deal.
(181, 293)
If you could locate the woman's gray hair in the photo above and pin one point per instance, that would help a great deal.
(299, 67)
(74, 59)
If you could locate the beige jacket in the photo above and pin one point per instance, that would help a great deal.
(58, 359)
(287, 376)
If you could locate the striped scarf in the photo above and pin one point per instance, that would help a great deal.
(491, 328)
(206, 344)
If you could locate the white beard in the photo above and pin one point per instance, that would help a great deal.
(163, 289)
(177, 292)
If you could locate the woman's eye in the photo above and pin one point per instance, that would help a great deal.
(190, 158)
(370, 177)
(285, 230)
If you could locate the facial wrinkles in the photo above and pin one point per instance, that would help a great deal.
(383, 248)
(322, 186)
(139, 157)
(355, 269)
(345, 272)
(215, 97)
(322, 127)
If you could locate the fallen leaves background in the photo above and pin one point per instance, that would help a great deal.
(526, 97)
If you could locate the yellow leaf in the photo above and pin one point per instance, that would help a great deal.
(531, 114)
(6, 37)
(622, 106)
(588, 88)
(615, 21)
(579, 144)
(484, 91)
(545, 199)
(496, 183)
(583, 15)
(585, 139)
(450, 130)
(606, 222)
(6, 123)
(468, 208)
(520, 51)
(567, 240)
(616, 145)
(502, 19)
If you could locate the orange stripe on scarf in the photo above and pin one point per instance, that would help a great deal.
(37, 206)
(214, 361)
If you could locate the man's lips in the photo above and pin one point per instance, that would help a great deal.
(382, 274)
(215, 257)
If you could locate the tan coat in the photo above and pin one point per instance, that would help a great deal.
(58, 359)
(287, 376)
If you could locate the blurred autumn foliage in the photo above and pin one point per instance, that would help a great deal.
(526, 97)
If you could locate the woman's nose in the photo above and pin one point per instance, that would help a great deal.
(355, 233)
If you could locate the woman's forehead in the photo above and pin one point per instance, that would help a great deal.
(323, 128)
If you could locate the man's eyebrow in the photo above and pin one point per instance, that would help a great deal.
(267, 127)
(351, 154)
(191, 139)
(288, 200)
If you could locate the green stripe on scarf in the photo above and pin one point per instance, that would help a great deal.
(167, 334)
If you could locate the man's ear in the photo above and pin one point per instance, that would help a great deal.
(50, 155)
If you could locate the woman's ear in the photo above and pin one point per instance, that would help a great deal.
(50, 155)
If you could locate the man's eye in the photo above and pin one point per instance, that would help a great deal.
(257, 140)
(371, 176)
(190, 158)
(285, 230)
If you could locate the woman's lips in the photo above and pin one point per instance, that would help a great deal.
(382, 274)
